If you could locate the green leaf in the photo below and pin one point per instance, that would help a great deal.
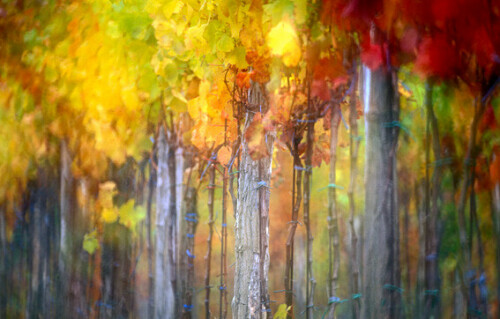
(276, 10)
(237, 57)
(130, 215)
(90, 243)
(225, 43)
(282, 312)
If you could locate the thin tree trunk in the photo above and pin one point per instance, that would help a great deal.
(311, 282)
(353, 152)
(381, 277)
(421, 250)
(432, 281)
(290, 243)
(165, 303)
(251, 297)
(469, 165)
(4, 263)
(67, 209)
(72, 232)
(223, 243)
(495, 212)
(186, 270)
(333, 224)
(208, 256)
(406, 229)
(482, 306)
(223, 249)
(151, 189)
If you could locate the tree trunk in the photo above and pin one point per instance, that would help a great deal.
(72, 231)
(421, 249)
(310, 281)
(223, 247)
(333, 224)
(251, 297)
(4, 263)
(432, 281)
(381, 277)
(353, 152)
(290, 243)
(208, 256)
(151, 189)
(166, 231)
(495, 211)
(186, 270)
(469, 164)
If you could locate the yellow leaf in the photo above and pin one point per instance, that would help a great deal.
(283, 41)
(282, 312)
(109, 215)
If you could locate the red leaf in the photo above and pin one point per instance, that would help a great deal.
(372, 56)
(409, 40)
(489, 121)
(436, 57)
(495, 169)
(319, 88)
(329, 68)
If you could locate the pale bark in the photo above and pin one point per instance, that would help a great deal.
(381, 277)
(251, 297)
(66, 206)
(165, 305)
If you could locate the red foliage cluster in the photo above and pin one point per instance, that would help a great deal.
(444, 38)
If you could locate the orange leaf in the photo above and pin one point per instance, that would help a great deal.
(224, 155)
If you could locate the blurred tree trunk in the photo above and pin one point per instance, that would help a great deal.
(41, 294)
(251, 296)
(310, 281)
(432, 280)
(211, 221)
(468, 273)
(333, 224)
(149, 240)
(354, 141)
(4, 263)
(71, 238)
(186, 270)
(381, 273)
(495, 211)
(166, 230)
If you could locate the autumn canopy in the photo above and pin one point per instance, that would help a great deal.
(249, 159)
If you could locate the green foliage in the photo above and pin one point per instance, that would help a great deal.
(282, 312)
(130, 215)
(90, 242)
